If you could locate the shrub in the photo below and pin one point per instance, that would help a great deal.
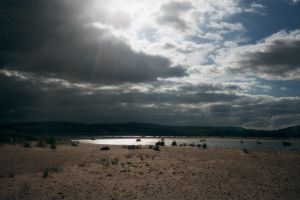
(11, 175)
(156, 148)
(160, 143)
(192, 144)
(74, 143)
(204, 146)
(104, 149)
(174, 143)
(52, 141)
(53, 145)
(27, 144)
(284, 143)
(41, 143)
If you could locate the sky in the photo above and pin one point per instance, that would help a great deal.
(183, 62)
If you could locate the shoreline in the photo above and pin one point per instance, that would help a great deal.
(179, 137)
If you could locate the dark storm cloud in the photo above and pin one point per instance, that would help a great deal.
(55, 39)
(170, 14)
(33, 99)
(281, 59)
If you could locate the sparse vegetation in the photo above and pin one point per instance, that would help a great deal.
(105, 162)
(141, 157)
(25, 189)
(174, 143)
(114, 161)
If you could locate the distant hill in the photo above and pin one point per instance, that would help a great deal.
(138, 129)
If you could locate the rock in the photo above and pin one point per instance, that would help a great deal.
(105, 149)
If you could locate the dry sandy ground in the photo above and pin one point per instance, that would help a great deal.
(84, 172)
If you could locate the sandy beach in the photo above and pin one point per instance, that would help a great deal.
(85, 172)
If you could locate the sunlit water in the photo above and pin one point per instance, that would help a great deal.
(230, 143)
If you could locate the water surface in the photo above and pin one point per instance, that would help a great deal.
(232, 143)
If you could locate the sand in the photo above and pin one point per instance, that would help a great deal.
(85, 172)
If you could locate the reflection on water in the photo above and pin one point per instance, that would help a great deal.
(233, 143)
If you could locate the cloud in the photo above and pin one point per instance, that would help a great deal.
(29, 97)
(275, 57)
(256, 8)
(65, 45)
(182, 62)
(225, 26)
(170, 14)
(294, 1)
